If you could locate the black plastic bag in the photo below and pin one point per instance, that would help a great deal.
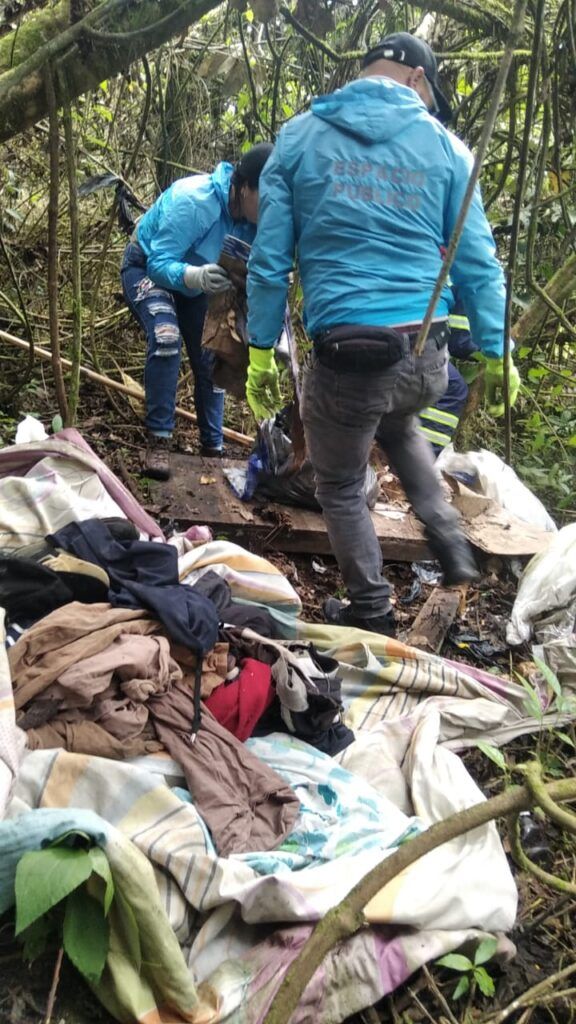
(278, 477)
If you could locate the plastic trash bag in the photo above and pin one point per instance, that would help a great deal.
(487, 474)
(30, 429)
(270, 470)
(546, 598)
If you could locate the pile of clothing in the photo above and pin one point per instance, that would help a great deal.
(209, 762)
(111, 655)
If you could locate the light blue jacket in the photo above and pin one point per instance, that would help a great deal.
(366, 189)
(187, 224)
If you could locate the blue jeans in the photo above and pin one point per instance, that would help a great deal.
(167, 318)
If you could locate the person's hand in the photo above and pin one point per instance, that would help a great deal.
(210, 278)
(494, 384)
(263, 385)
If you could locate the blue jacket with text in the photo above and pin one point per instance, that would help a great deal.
(366, 189)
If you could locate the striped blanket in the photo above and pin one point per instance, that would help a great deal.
(217, 935)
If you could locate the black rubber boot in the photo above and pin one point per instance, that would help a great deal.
(211, 453)
(339, 614)
(157, 459)
(456, 558)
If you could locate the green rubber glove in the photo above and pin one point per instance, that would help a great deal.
(263, 385)
(494, 384)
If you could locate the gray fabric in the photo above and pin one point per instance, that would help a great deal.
(342, 413)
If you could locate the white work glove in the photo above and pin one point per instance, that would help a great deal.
(210, 278)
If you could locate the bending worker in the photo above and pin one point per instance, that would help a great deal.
(169, 268)
(366, 189)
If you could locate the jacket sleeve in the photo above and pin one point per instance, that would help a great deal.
(476, 273)
(181, 223)
(272, 254)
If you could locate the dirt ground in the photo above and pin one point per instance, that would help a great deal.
(545, 933)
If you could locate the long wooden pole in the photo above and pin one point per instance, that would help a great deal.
(514, 35)
(100, 378)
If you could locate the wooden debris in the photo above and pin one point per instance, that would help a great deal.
(429, 629)
(265, 525)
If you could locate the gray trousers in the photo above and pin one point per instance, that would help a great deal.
(342, 414)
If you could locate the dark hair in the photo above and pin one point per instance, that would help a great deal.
(249, 168)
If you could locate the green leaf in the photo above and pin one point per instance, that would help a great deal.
(85, 934)
(485, 950)
(101, 867)
(456, 962)
(549, 676)
(462, 987)
(493, 753)
(565, 738)
(44, 877)
(57, 423)
(484, 981)
(532, 705)
(35, 937)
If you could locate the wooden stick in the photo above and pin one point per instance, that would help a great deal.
(489, 123)
(100, 378)
(347, 917)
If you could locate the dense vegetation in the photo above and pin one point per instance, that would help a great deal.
(231, 78)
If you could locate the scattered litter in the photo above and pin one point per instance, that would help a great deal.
(318, 566)
(388, 513)
(534, 839)
(413, 594)
(237, 477)
(483, 651)
(207, 479)
(427, 572)
(28, 430)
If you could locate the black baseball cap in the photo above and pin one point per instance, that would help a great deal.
(403, 48)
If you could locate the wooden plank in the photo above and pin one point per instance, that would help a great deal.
(429, 629)
(198, 493)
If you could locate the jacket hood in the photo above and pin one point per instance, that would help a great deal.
(221, 177)
(371, 109)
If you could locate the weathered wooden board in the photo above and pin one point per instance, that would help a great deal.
(198, 492)
(262, 524)
(429, 629)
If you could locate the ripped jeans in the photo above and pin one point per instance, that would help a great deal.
(167, 318)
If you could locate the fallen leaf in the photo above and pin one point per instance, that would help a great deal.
(207, 479)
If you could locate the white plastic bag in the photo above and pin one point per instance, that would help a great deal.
(489, 475)
(30, 429)
(548, 583)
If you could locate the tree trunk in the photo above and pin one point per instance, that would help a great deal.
(560, 287)
(35, 29)
(84, 53)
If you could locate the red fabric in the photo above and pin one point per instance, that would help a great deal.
(240, 704)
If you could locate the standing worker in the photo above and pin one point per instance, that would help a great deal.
(366, 188)
(438, 422)
(169, 268)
